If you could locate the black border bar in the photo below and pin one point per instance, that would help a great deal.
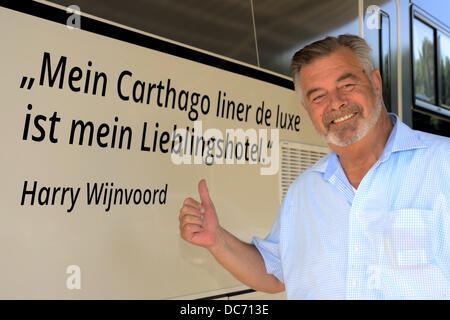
(57, 15)
(227, 295)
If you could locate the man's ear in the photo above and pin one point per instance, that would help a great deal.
(378, 82)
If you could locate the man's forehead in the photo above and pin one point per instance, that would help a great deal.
(332, 67)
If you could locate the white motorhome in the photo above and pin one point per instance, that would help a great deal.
(113, 114)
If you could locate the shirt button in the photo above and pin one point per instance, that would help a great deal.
(357, 213)
(354, 283)
(356, 248)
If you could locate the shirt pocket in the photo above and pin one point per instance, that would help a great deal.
(407, 237)
(410, 268)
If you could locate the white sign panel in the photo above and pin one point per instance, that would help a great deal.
(103, 138)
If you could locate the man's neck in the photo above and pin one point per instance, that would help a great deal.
(357, 158)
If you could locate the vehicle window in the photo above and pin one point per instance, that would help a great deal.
(424, 63)
(444, 71)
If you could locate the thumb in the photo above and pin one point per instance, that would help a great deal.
(204, 194)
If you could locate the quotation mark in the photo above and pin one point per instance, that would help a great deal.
(24, 82)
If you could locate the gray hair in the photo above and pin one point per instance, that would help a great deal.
(327, 46)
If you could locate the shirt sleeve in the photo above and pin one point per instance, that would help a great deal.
(270, 248)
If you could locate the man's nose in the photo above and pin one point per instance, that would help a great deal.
(337, 100)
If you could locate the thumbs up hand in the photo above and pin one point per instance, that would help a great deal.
(199, 224)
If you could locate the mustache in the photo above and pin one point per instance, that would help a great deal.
(336, 114)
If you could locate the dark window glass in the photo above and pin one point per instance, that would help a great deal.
(424, 63)
(431, 123)
(385, 59)
(444, 71)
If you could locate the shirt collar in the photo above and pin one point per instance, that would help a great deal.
(402, 138)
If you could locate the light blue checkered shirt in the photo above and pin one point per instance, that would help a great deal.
(388, 240)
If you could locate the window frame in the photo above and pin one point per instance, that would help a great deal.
(388, 50)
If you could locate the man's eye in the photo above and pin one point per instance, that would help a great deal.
(318, 98)
(348, 86)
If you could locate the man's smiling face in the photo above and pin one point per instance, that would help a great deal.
(342, 102)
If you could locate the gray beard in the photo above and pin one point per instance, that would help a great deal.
(361, 131)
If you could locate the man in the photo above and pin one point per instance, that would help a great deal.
(371, 220)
